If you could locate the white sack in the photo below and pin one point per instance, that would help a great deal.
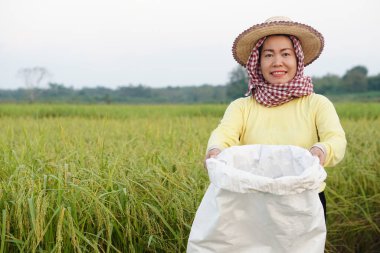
(262, 198)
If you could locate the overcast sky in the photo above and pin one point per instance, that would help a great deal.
(89, 43)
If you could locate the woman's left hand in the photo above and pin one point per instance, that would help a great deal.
(315, 151)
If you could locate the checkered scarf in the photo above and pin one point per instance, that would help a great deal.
(271, 95)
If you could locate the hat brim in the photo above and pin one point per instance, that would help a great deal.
(312, 41)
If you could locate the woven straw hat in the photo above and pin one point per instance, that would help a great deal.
(312, 41)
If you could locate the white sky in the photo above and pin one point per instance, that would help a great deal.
(88, 43)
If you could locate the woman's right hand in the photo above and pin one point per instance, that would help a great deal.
(212, 153)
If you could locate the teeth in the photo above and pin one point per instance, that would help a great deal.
(278, 72)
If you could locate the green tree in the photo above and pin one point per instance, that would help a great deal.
(374, 82)
(328, 84)
(355, 79)
(238, 83)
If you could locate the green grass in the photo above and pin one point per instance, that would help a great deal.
(370, 96)
(353, 191)
(110, 178)
(38, 111)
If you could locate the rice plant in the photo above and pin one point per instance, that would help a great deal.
(118, 178)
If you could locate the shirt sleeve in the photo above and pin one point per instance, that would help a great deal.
(330, 132)
(229, 130)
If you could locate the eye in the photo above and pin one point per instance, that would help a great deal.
(287, 53)
(267, 55)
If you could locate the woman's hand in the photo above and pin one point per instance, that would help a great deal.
(211, 154)
(315, 151)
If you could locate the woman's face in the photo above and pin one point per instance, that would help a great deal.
(278, 60)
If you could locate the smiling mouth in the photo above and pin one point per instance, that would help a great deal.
(278, 73)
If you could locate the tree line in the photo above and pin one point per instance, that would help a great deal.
(355, 80)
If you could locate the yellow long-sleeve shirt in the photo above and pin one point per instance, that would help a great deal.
(304, 122)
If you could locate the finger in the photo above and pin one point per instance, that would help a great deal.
(322, 159)
(319, 155)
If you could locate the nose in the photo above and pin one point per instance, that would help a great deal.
(277, 61)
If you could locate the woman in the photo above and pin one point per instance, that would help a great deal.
(282, 108)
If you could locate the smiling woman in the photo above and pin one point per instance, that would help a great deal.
(282, 108)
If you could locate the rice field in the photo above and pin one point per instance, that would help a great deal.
(124, 178)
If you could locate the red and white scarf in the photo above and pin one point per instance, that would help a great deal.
(271, 95)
